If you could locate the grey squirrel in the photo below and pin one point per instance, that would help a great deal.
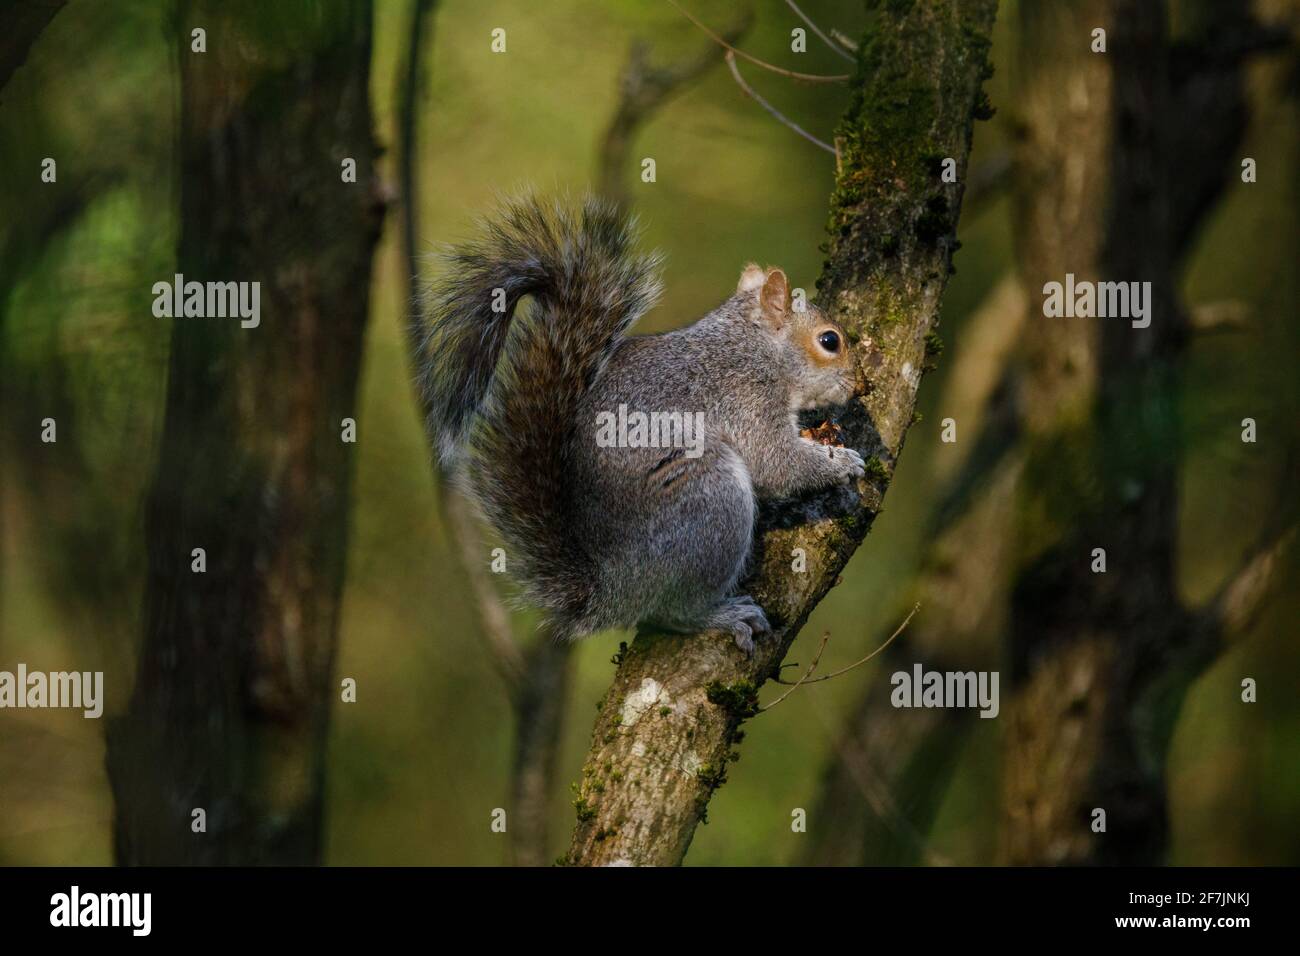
(605, 534)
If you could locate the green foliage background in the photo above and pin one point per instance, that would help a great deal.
(420, 761)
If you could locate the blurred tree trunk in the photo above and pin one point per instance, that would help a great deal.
(668, 727)
(21, 23)
(234, 684)
(1100, 191)
(1099, 662)
(1081, 642)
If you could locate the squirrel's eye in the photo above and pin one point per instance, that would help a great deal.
(830, 341)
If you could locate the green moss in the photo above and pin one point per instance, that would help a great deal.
(876, 469)
(897, 129)
(740, 699)
(711, 778)
(889, 311)
(586, 812)
(896, 8)
(884, 135)
(933, 349)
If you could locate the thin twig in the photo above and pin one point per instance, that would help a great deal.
(409, 93)
(875, 788)
(810, 77)
(844, 670)
(817, 30)
(749, 91)
(811, 667)
(494, 619)
(847, 42)
(643, 90)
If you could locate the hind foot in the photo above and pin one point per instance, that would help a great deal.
(742, 619)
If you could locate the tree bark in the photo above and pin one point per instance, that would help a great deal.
(878, 800)
(232, 697)
(539, 700)
(1100, 661)
(21, 24)
(669, 725)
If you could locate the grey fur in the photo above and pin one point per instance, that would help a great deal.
(619, 536)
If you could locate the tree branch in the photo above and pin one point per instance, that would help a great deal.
(1212, 318)
(536, 679)
(1237, 604)
(835, 47)
(410, 89)
(494, 619)
(643, 90)
(772, 67)
(23, 21)
(668, 726)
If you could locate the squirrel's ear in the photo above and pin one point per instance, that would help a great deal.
(751, 278)
(775, 297)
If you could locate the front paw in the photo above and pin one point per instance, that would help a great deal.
(743, 619)
(846, 464)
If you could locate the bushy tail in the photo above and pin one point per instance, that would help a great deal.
(503, 403)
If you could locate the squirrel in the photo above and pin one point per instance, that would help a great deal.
(618, 534)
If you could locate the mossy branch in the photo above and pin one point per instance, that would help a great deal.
(670, 725)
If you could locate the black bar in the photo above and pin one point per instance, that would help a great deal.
(562, 906)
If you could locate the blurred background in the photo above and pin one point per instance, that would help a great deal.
(226, 165)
